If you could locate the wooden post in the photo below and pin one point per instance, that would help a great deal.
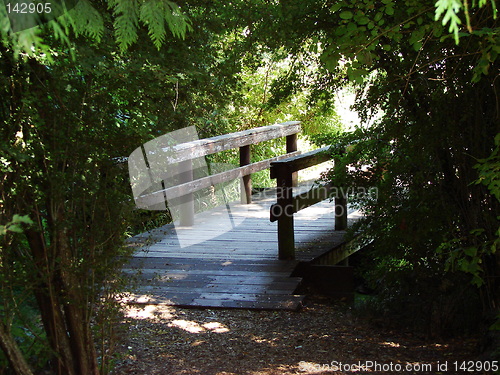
(286, 238)
(340, 205)
(187, 205)
(246, 181)
(291, 146)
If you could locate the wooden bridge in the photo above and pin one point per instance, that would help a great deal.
(236, 255)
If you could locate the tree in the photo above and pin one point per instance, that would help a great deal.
(433, 77)
(64, 127)
(440, 106)
(93, 19)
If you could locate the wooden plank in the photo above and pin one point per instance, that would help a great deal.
(286, 240)
(303, 200)
(305, 160)
(187, 207)
(218, 289)
(262, 285)
(207, 146)
(212, 180)
(289, 303)
(226, 273)
(341, 251)
(254, 268)
(223, 257)
(166, 261)
(245, 297)
(284, 304)
(291, 146)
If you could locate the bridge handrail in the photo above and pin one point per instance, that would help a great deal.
(287, 204)
(212, 145)
(184, 153)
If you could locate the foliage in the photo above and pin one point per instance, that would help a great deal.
(67, 118)
(449, 9)
(489, 170)
(438, 102)
(52, 129)
(15, 225)
(483, 243)
(88, 18)
(85, 95)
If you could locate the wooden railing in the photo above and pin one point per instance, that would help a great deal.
(184, 153)
(287, 204)
(283, 168)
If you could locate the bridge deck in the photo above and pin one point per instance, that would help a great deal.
(229, 263)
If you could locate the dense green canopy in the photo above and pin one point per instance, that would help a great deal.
(84, 90)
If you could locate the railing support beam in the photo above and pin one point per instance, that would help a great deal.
(187, 206)
(340, 203)
(286, 236)
(287, 204)
(291, 146)
(246, 181)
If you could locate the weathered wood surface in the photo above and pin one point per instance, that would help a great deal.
(302, 161)
(235, 269)
(176, 157)
(304, 200)
(217, 178)
(207, 146)
(286, 205)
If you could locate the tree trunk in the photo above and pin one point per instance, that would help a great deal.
(48, 300)
(13, 353)
(75, 310)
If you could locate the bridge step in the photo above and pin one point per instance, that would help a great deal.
(238, 268)
(214, 283)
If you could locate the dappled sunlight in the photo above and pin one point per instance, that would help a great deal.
(263, 340)
(195, 327)
(391, 344)
(318, 340)
(149, 312)
(186, 325)
(215, 327)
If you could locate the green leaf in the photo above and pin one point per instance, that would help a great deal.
(362, 20)
(151, 14)
(15, 228)
(126, 22)
(336, 7)
(417, 46)
(351, 26)
(470, 251)
(477, 281)
(496, 326)
(449, 9)
(356, 75)
(22, 219)
(346, 15)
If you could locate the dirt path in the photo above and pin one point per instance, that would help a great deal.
(322, 338)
